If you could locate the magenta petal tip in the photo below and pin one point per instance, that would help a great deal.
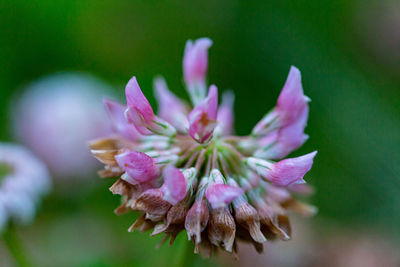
(175, 184)
(292, 170)
(140, 167)
(219, 195)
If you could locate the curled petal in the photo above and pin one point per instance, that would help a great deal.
(136, 99)
(195, 63)
(292, 100)
(219, 195)
(140, 113)
(225, 114)
(282, 142)
(175, 185)
(170, 108)
(202, 119)
(116, 112)
(290, 106)
(291, 171)
(139, 167)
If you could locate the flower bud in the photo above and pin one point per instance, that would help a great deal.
(202, 119)
(195, 63)
(139, 167)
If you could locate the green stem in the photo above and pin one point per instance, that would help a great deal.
(14, 245)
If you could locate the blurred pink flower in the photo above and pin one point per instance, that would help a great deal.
(55, 117)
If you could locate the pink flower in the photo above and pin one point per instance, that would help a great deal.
(139, 167)
(199, 178)
(195, 63)
(175, 185)
(291, 171)
(170, 108)
(202, 119)
(292, 101)
(116, 112)
(220, 195)
(290, 106)
(140, 113)
(281, 142)
(285, 172)
(225, 114)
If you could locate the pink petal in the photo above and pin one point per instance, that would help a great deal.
(175, 184)
(202, 119)
(292, 100)
(195, 60)
(220, 195)
(170, 108)
(135, 99)
(140, 167)
(282, 142)
(116, 113)
(291, 171)
(225, 114)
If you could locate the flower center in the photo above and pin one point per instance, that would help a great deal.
(218, 154)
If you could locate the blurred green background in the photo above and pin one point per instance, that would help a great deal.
(349, 55)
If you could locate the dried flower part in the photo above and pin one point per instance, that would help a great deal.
(185, 171)
(174, 222)
(222, 228)
(273, 220)
(247, 216)
(196, 220)
(152, 202)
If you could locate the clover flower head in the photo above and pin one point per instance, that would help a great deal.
(23, 181)
(183, 169)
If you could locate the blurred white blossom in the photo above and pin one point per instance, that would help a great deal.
(24, 180)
